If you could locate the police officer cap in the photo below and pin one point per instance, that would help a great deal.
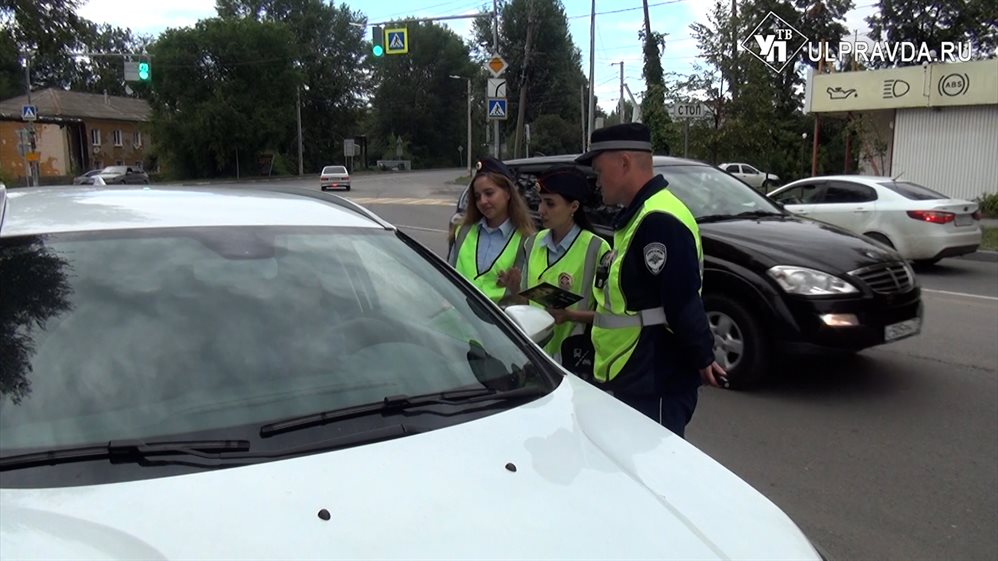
(566, 181)
(492, 165)
(627, 136)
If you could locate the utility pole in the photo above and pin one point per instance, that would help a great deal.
(495, 49)
(592, 56)
(582, 107)
(469, 128)
(732, 82)
(301, 164)
(32, 166)
(620, 103)
(521, 110)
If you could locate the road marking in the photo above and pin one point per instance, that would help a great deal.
(963, 294)
(401, 201)
(421, 229)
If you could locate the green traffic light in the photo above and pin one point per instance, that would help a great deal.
(378, 50)
(143, 71)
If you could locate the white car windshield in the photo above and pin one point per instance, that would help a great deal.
(119, 170)
(205, 333)
(913, 191)
(334, 169)
(709, 192)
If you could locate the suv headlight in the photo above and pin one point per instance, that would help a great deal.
(809, 282)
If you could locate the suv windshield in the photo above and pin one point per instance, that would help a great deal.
(115, 169)
(710, 192)
(334, 169)
(913, 191)
(212, 332)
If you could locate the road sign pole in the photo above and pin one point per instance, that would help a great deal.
(495, 49)
(686, 138)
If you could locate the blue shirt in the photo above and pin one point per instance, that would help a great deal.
(556, 251)
(491, 242)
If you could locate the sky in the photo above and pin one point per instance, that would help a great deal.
(616, 38)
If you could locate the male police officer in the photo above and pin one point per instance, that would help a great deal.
(650, 332)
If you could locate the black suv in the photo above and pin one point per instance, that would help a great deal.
(772, 280)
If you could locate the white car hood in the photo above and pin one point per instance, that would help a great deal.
(593, 479)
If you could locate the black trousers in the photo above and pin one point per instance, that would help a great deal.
(673, 411)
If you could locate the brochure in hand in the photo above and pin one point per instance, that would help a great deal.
(551, 296)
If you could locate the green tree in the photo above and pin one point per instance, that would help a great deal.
(553, 73)
(331, 54)
(551, 135)
(653, 112)
(935, 21)
(416, 98)
(221, 90)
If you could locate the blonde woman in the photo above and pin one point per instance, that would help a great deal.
(488, 245)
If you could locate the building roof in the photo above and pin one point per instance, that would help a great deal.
(58, 104)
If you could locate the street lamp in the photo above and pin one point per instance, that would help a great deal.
(469, 119)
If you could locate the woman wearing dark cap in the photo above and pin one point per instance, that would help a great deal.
(566, 252)
(487, 245)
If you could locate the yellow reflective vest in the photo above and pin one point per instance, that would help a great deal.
(464, 258)
(616, 329)
(573, 271)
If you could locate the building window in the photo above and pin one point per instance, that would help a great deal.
(95, 137)
(116, 135)
(137, 138)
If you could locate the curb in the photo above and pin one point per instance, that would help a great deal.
(984, 255)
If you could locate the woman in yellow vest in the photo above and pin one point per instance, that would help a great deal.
(566, 252)
(488, 245)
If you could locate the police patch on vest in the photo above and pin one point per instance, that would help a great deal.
(655, 257)
(565, 281)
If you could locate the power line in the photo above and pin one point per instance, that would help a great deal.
(629, 9)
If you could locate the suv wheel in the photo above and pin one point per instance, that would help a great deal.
(740, 345)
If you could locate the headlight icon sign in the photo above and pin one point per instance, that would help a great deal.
(895, 88)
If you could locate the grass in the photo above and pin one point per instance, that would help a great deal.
(463, 180)
(990, 239)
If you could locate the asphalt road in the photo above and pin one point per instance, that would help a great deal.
(888, 454)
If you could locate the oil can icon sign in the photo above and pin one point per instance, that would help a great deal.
(895, 88)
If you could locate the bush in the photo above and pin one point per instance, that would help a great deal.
(989, 204)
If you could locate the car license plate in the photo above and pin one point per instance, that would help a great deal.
(902, 329)
(964, 219)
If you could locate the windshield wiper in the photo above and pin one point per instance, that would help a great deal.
(126, 451)
(746, 214)
(400, 403)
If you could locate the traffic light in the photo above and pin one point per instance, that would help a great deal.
(378, 40)
(145, 71)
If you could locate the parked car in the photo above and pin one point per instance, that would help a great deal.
(334, 177)
(119, 175)
(921, 224)
(772, 280)
(751, 175)
(365, 400)
(87, 178)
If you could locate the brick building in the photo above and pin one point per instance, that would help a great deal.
(76, 132)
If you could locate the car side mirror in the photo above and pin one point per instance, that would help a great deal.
(535, 322)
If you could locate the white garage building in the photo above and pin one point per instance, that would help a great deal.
(936, 125)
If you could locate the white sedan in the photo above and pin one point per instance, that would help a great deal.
(334, 177)
(751, 175)
(921, 224)
(283, 375)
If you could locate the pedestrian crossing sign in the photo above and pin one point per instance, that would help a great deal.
(396, 41)
(497, 109)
